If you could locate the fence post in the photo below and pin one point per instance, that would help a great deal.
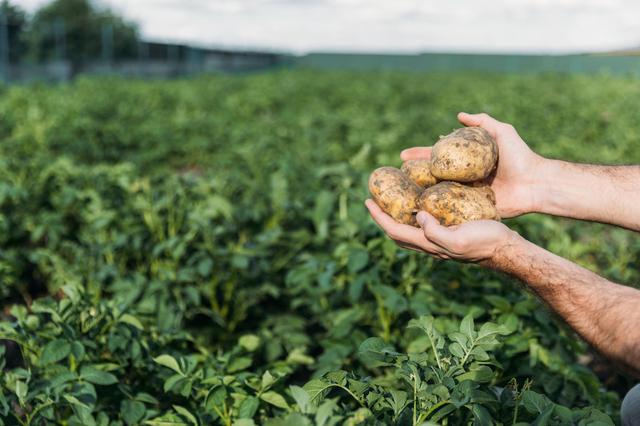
(107, 43)
(4, 46)
(60, 40)
(143, 51)
(173, 53)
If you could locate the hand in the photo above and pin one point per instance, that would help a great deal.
(513, 181)
(477, 241)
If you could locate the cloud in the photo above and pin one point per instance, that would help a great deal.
(550, 26)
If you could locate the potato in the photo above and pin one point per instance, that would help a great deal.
(453, 203)
(395, 193)
(483, 185)
(419, 171)
(466, 155)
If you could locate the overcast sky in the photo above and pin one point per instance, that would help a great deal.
(546, 26)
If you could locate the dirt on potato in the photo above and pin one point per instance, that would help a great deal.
(395, 193)
(419, 171)
(453, 203)
(466, 155)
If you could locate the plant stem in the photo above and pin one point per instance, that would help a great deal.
(435, 407)
(415, 399)
(435, 352)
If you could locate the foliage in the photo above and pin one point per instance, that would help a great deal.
(16, 20)
(196, 251)
(78, 26)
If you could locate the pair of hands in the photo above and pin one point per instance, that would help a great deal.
(479, 241)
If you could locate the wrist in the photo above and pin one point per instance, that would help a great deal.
(505, 252)
(540, 186)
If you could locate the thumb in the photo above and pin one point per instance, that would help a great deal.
(482, 119)
(432, 229)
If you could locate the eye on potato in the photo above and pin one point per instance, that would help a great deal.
(466, 155)
(453, 203)
(395, 193)
(419, 171)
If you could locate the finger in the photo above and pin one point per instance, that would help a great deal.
(483, 120)
(400, 232)
(417, 153)
(433, 231)
(395, 230)
(409, 246)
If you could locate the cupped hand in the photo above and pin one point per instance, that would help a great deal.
(477, 241)
(514, 179)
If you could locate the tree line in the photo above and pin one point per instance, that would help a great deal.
(78, 31)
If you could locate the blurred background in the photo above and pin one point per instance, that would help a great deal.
(182, 187)
(56, 40)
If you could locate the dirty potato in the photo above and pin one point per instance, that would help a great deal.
(419, 171)
(466, 155)
(485, 188)
(453, 203)
(395, 193)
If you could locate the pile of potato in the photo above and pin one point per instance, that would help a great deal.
(451, 186)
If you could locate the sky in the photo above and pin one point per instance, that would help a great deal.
(405, 26)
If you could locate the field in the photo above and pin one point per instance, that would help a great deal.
(197, 252)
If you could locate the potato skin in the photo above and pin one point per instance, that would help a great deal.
(453, 203)
(485, 188)
(466, 155)
(419, 171)
(395, 193)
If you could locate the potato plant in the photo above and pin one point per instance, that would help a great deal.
(197, 252)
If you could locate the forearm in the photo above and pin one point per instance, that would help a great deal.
(608, 194)
(605, 314)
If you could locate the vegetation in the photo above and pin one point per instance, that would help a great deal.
(73, 30)
(198, 252)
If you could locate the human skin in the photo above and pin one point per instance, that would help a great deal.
(605, 314)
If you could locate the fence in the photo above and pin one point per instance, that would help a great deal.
(210, 62)
(474, 62)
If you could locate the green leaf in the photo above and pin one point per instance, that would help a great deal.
(98, 377)
(419, 345)
(489, 329)
(267, 380)
(316, 389)
(131, 320)
(55, 351)
(358, 259)
(76, 402)
(374, 351)
(338, 377)
(544, 417)
(250, 342)
(480, 373)
(248, 407)
(297, 356)
(185, 413)
(467, 327)
(169, 419)
(21, 390)
(78, 350)
(169, 362)
(132, 411)
(481, 415)
(324, 412)
(456, 350)
(301, 397)
(276, 399)
(534, 402)
(239, 364)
